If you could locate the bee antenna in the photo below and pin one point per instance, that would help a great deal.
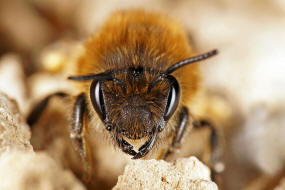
(99, 77)
(191, 60)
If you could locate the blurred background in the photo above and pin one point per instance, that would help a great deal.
(246, 81)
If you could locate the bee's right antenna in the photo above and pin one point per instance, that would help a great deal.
(179, 64)
(191, 60)
(100, 76)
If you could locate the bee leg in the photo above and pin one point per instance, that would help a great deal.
(38, 110)
(214, 151)
(182, 124)
(77, 134)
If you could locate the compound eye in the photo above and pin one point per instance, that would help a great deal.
(97, 99)
(173, 98)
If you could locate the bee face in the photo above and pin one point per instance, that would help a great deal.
(136, 103)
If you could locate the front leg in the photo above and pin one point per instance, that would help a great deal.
(77, 131)
(180, 130)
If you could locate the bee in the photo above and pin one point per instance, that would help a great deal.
(138, 83)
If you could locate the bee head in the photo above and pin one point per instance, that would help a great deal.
(136, 102)
(131, 106)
